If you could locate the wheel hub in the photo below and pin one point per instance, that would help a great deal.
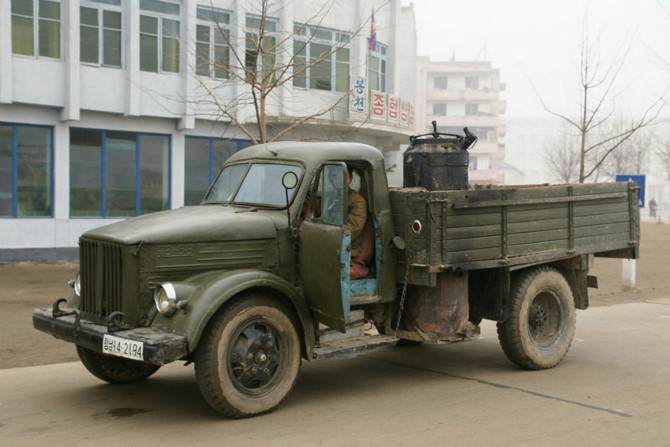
(260, 357)
(544, 319)
(540, 317)
(255, 356)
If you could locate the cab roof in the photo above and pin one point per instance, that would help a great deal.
(311, 153)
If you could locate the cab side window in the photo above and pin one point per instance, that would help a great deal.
(332, 186)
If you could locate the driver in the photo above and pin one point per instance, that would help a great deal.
(357, 215)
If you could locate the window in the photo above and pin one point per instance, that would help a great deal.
(118, 174)
(328, 54)
(253, 184)
(332, 186)
(36, 28)
(377, 67)
(259, 55)
(471, 109)
(440, 82)
(472, 82)
(159, 36)
(472, 163)
(440, 109)
(204, 158)
(100, 32)
(212, 43)
(483, 133)
(26, 171)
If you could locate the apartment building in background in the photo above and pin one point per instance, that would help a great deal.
(458, 94)
(115, 108)
(528, 141)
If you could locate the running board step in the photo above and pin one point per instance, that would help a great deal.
(350, 347)
(360, 300)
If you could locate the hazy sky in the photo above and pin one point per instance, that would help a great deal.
(540, 40)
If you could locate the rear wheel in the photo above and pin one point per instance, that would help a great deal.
(541, 323)
(248, 359)
(115, 369)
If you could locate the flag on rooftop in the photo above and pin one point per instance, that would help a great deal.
(373, 33)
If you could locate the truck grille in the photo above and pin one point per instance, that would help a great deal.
(101, 277)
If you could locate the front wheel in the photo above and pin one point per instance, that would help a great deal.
(248, 359)
(541, 323)
(115, 369)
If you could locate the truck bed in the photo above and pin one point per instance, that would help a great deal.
(514, 225)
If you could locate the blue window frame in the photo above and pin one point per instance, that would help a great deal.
(204, 157)
(26, 170)
(118, 174)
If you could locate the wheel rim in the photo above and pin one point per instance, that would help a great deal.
(255, 356)
(544, 319)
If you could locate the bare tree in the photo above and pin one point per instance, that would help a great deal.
(631, 156)
(663, 154)
(663, 144)
(263, 63)
(562, 156)
(597, 137)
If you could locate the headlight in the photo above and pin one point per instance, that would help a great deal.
(76, 284)
(165, 297)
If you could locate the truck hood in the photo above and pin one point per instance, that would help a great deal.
(189, 224)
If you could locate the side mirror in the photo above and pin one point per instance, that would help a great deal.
(289, 180)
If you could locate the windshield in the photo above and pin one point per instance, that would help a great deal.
(253, 183)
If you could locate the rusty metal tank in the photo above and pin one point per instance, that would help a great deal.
(438, 161)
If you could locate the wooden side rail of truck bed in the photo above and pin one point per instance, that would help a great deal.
(508, 226)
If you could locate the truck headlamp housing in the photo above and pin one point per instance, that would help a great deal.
(77, 284)
(165, 298)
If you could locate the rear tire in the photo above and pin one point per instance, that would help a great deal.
(541, 323)
(117, 370)
(248, 359)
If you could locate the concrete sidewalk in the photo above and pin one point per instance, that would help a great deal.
(613, 388)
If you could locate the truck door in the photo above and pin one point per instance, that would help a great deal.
(325, 249)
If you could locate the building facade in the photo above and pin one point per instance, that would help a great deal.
(527, 141)
(115, 108)
(459, 94)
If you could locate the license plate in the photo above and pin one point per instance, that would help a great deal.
(122, 347)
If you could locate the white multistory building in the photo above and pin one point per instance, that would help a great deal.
(528, 141)
(458, 94)
(114, 108)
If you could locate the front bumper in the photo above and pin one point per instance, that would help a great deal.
(159, 347)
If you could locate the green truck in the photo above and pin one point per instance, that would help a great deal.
(256, 278)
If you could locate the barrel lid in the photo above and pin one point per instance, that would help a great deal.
(463, 142)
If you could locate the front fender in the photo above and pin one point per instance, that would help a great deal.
(207, 292)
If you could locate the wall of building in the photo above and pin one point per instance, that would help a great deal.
(527, 141)
(457, 94)
(65, 94)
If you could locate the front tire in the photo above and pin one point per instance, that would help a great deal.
(115, 370)
(541, 323)
(248, 359)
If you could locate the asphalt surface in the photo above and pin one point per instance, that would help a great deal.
(613, 388)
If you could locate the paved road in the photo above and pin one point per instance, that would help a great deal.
(612, 389)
